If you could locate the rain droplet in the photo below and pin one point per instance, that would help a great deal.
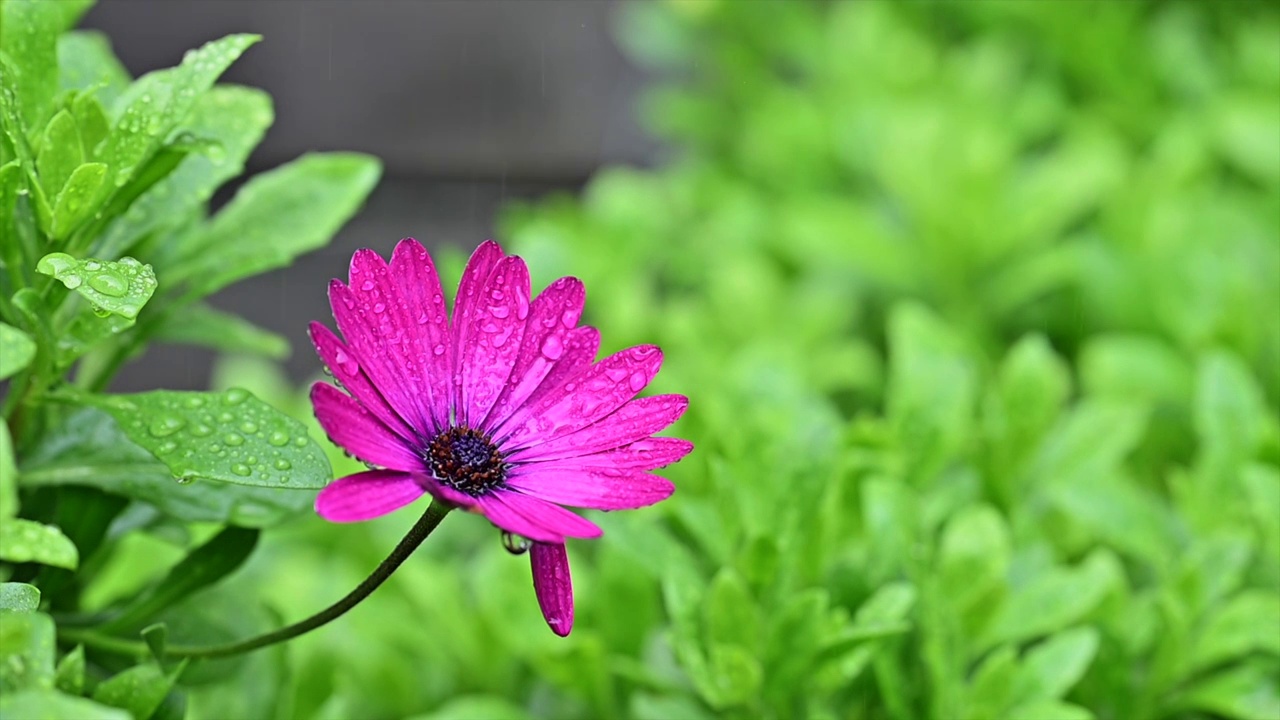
(278, 438)
(240, 469)
(379, 307)
(367, 285)
(438, 349)
(233, 439)
(637, 381)
(252, 460)
(235, 396)
(500, 311)
(515, 544)
(194, 401)
(552, 347)
(300, 442)
(109, 283)
(167, 446)
(283, 464)
(166, 425)
(249, 427)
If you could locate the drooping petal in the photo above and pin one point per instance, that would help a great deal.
(650, 453)
(552, 585)
(446, 493)
(533, 518)
(366, 495)
(552, 315)
(587, 397)
(422, 306)
(384, 317)
(496, 317)
(601, 489)
(634, 421)
(355, 429)
(345, 366)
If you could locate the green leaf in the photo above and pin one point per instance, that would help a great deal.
(26, 651)
(29, 541)
(1229, 408)
(139, 690)
(1031, 387)
(729, 612)
(19, 597)
(1049, 710)
(77, 200)
(8, 475)
(85, 332)
(88, 448)
(118, 287)
(234, 118)
(974, 556)
(1135, 367)
(157, 102)
(16, 350)
(1053, 667)
(86, 62)
(991, 690)
(60, 153)
(1089, 442)
(29, 34)
(476, 708)
(735, 676)
(931, 388)
(207, 564)
(1234, 629)
(68, 676)
(277, 216)
(231, 437)
(48, 704)
(1055, 599)
(91, 122)
(208, 327)
(1244, 692)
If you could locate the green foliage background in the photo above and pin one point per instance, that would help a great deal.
(976, 306)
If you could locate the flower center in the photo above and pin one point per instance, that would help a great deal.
(466, 460)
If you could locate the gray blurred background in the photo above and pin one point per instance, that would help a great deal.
(469, 103)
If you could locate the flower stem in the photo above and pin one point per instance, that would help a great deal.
(410, 542)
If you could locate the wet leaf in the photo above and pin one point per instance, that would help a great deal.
(86, 62)
(78, 199)
(48, 704)
(277, 216)
(8, 475)
(231, 437)
(139, 690)
(29, 35)
(68, 676)
(234, 120)
(118, 287)
(157, 102)
(16, 350)
(30, 541)
(26, 651)
(208, 327)
(19, 597)
(88, 448)
(60, 153)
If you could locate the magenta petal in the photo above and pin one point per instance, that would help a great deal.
(446, 493)
(552, 585)
(424, 319)
(390, 322)
(488, 351)
(366, 495)
(533, 518)
(345, 367)
(635, 421)
(474, 276)
(649, 453)
(357, 431)
(552, 315)
(588, 396)
(602, 489)
(579, 352)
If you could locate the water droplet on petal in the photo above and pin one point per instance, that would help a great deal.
(367, 285)
(438, 349)
(515, 544)
(379, 307)
(637, 381)
(552, 348)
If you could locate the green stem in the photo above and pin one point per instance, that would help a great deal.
(410, 542)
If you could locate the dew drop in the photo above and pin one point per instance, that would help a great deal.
(166, 425)
(552, 348)
(241, 469)
(167, 447)
(438, 349)
(235, 396)
(500, 311)
(252, 460)
(300, 442)
(194, 401)
(515, 544)
(233, 439)
(367, 285)
(283, 464)
(279, 438)
(109, 284)
(249, 427)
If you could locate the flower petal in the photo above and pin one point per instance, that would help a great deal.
(486, 353)
(601, 489)
(587, 397)
(357, 431)
(630, 423)
(648, 453)
(366, 495)
(446, 493)
(552, 315)
(470, 287)
(342, 362)
(422, 306)
(552, 585)
(533, 518)
(389, 329)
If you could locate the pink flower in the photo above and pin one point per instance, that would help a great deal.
(502, 410)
